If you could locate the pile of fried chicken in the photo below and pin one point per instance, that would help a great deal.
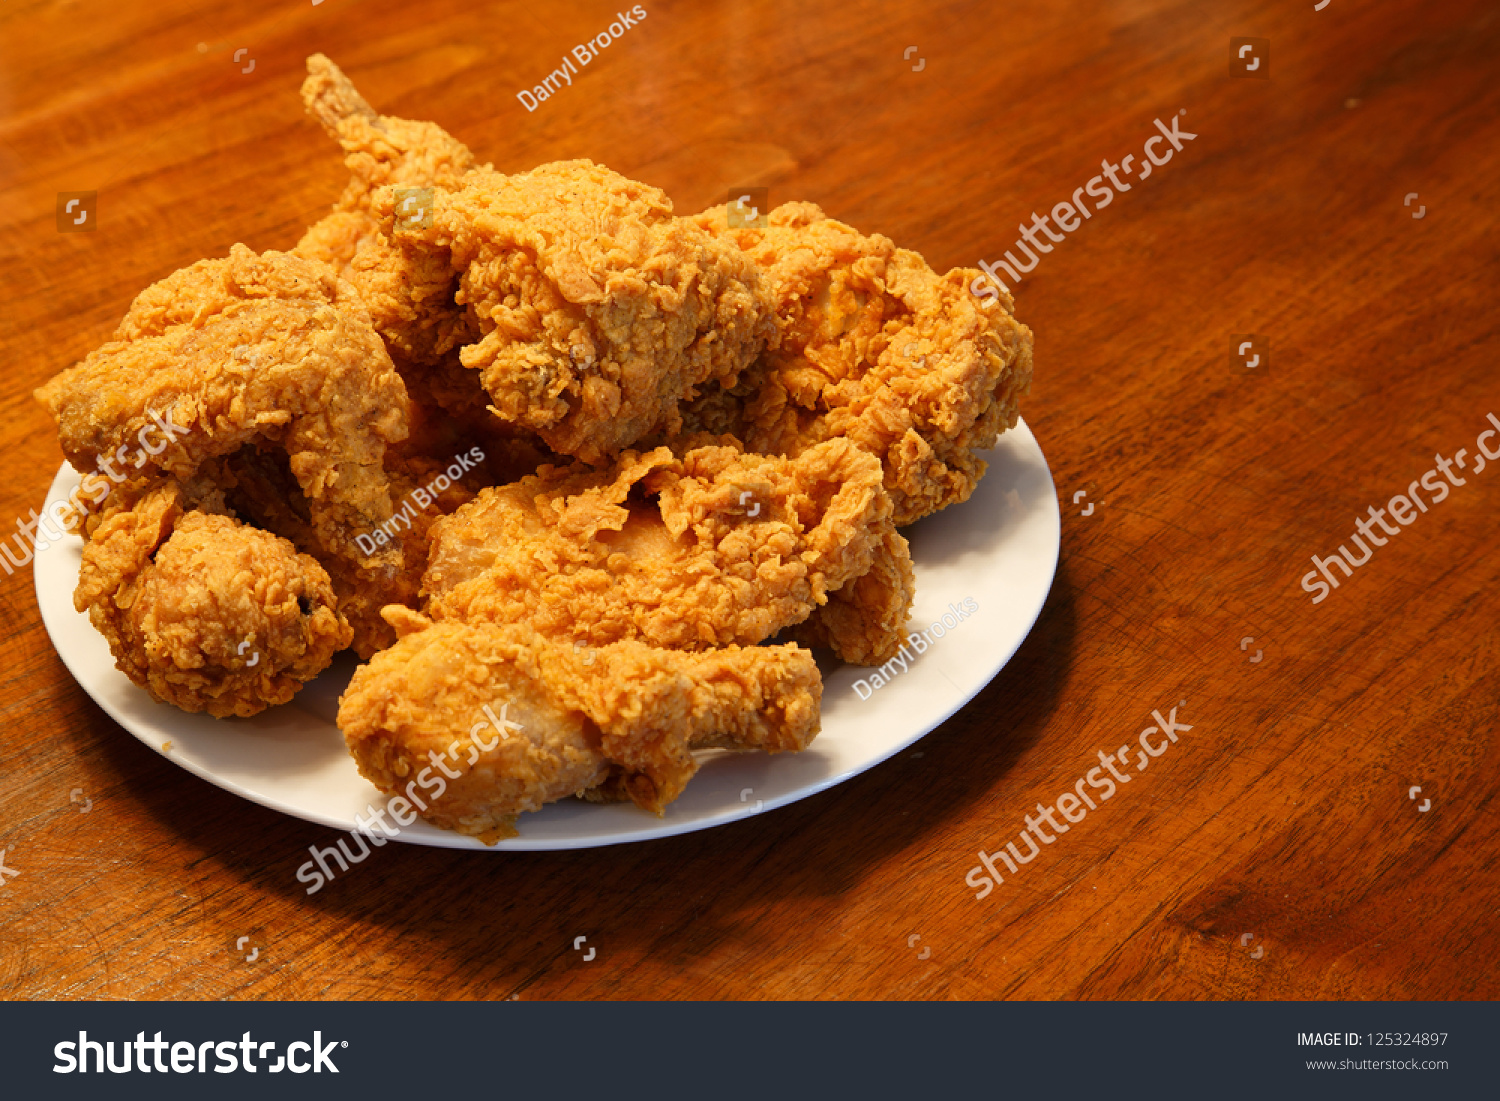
(530, 442)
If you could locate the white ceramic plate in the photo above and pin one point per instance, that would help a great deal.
(998, 551)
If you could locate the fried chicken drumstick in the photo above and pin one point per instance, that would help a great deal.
(518, 721)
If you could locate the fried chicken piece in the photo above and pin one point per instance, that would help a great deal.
(181, 596)
(474, 724)
(712, 548)
(875, 347)
(259, 486)
(412, 299)
(250, 347)
(598, 310)
(380, 151)
(862, 621)
(410, 296)
(449, 403)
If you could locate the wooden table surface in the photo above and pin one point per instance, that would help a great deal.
(1275, 852)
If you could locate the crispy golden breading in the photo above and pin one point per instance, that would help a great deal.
(410, 297)
(477, 723)
(713, 548)
(226, 352)
(204, 612)
(864, 620)
(598, 311)
(445, 385)
(380, 151)
(259, 486)
(335, 238)
(874, 347)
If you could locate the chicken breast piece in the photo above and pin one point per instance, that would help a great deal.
(713, 548)
(598, 311)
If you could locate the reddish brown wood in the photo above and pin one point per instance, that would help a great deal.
(1284, 814)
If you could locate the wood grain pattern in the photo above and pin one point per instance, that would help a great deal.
(1284, 813)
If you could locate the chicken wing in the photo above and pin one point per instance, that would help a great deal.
(226, 352)
(410, 296)
(380, 151)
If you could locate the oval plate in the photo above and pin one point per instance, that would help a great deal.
(997, 551)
